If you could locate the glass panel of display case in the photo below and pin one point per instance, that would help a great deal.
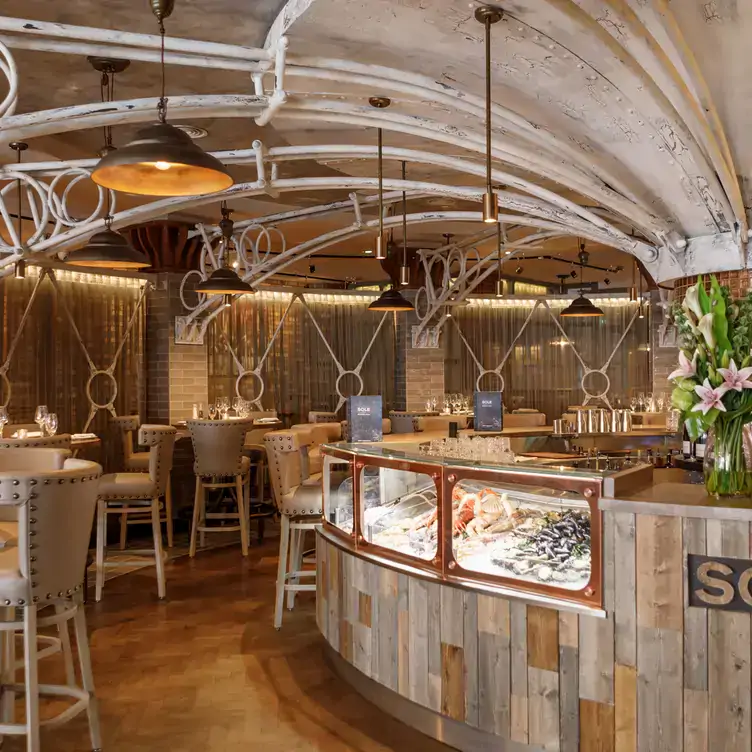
(527, 533)
(399, 511)
(338, 494)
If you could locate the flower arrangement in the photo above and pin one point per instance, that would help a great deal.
(713, 383)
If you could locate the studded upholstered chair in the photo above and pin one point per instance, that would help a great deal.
(219, 463)
(320, 433)
(138, 462)
(53, 500)
(133, 493)
(300, 503)
(322, 416)
(59, 441)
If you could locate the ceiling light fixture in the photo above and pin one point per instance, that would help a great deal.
(404, 269)
(162, 160)
(380, 103)
(19, 269)
(223, 280)
(499, 280)
(633, 288)
(488, 15)
(391, 300)
(581, 307)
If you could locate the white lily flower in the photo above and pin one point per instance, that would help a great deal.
(706, 329)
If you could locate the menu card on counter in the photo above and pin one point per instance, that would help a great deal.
(488, 412)
(364, 419)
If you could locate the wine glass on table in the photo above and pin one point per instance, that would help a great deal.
(634, 403)
(3, 419)
(51, 423)
(212, 411)
(40, 416)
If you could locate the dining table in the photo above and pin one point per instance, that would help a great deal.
(266, 424)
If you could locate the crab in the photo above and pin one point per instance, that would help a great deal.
(489, 510)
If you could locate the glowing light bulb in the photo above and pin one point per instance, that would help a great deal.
(162, 165)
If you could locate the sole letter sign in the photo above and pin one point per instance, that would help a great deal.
(718, 582)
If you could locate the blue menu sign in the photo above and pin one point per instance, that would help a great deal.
(364, 418)
(488, 413)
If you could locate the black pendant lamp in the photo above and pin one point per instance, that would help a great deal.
(391, 300)
(109, 250)
(162, 160)
(224, 281)
(488, 15)
(581, 307)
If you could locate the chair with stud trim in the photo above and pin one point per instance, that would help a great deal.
(135, 493)
(53, 499)
(59, 441)
(219, 463)
(300, 503)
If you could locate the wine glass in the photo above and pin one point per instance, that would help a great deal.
(51, 423)
(3, 419)
(634, 403)
(212, 411)
(641, 401)
(40, 416)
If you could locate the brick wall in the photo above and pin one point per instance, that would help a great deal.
(423, 368)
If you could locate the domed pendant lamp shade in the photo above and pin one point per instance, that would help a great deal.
(162, 160)
(391, 300)
(109, 250)
(581, 307)
(224, 281)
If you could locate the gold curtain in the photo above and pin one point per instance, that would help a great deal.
(49, 366)
(541, 371)
(299, 372)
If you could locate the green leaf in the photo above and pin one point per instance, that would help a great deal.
(702, 296)
(682, 399)
(718, 309)
(694, 426)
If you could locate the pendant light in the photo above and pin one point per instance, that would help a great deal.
(488, 15)
(581, 307)
(404, 269)
(641, 302)
(162, 160)
(499, 280)
(380, 103)
(633, 288)
(224, 281)
(19, 269)
(391, 300)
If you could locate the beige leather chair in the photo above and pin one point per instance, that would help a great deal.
(318, 434)
(219, 464)
(59, 441)
(300, 504)
(133, 462)
(322, 416)
(43, 576)
(134, 493)
(524, 420)
(441, 422)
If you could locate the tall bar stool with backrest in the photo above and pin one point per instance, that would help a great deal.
(138, 462)
(300, 504)
(219, 463)
(132, 493)
(43, 575)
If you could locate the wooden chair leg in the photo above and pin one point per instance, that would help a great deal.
(32, 678)
(87, 678)
(284, 545)
(156, 525)
(196, 516)
(123, 531)
(168, 513)
(8, 700)
(101, 536)
(64, 634)
(242, 514)
(294, 549)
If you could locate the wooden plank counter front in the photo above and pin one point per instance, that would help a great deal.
(655, 675)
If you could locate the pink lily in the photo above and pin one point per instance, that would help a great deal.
(735, 379)
(687, 368)
(710, 398)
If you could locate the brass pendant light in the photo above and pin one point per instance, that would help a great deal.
(581, 307)
(499, 280)
(488, 15)
(380, 103)
(19, 269)
(162, 160)
(224, 281)
(404, 269)
(633, 288)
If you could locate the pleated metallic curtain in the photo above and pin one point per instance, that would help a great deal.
(543, 372)
(49, 366)
(299, 372)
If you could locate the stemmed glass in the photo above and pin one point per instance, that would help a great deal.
(634, 403)
(51, 424)
(212, 411)
(40, 416)
(3, 419)
(224, 407)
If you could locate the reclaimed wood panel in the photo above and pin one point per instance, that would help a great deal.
(387, 630)
(625, 708)
(543, 638)
(695, 619)
(569, 703)
(403, 635)
(452, 681)
(597, 727)
(470, 652)
(518, 670)
(434, 645)
(418, 635)
(625, 577)
(543, 708)
(333, 559)
(596, 680)
(696, 721)
(452, 616)
(493, 665)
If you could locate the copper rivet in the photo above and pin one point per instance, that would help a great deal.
(589, 591)
(452, 478)
(452, 565)
(588, 492)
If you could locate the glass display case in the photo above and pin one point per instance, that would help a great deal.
(532, 526)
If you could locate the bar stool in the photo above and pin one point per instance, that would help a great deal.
(300, 503)
(135, 493)
(219, 463)
(43, 576)
(138, 462)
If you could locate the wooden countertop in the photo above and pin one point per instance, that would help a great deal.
(674, 494)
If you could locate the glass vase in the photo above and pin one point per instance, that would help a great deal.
(728, 457)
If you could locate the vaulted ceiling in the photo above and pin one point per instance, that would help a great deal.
(622, 122)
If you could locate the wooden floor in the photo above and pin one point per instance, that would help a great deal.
(206, 672)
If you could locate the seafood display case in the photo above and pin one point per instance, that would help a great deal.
(531, 527)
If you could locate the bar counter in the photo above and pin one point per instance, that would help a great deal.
(484, 668)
